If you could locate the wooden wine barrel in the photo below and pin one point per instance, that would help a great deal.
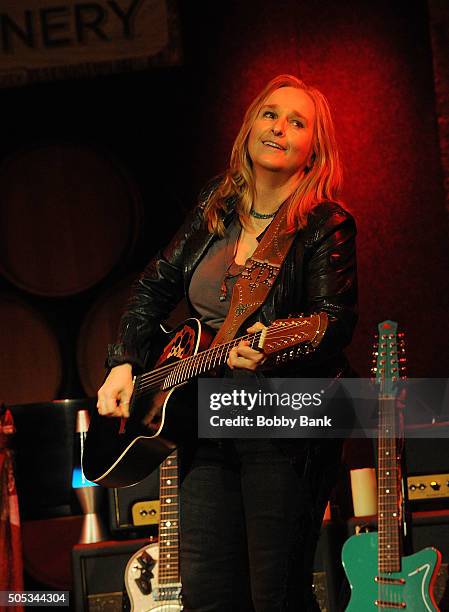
(68, 216)
(30, 360)
(99, 328)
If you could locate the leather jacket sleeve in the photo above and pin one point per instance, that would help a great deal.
(156, 293)
(330, 279)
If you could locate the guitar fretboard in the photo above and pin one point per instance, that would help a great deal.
(388, 489)
(181, 371)
(169, 522)
(205, 361)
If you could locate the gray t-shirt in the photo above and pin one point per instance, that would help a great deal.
(215, 277)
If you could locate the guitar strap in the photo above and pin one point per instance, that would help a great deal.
(257, 277)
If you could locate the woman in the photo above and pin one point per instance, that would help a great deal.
(251, 510)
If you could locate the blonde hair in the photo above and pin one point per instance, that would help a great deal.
(321, 182)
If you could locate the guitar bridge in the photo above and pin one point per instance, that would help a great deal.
(168, 592)
(396, 605)
(383, 580)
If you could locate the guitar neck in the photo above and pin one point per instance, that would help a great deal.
(207, 360)
(288, 338)
(388, 488)
(169, 522)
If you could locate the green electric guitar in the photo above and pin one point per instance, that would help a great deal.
(381, 578)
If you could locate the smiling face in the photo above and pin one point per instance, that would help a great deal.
(281, 137)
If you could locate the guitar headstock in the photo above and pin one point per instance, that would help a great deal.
(286, 333)
(388, 357)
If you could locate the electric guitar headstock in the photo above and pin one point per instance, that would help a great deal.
(388, 358)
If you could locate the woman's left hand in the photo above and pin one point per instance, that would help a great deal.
(243, 356)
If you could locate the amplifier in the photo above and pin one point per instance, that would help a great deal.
(428, 486)
(134, 511)
(427, 467)
(146, 512)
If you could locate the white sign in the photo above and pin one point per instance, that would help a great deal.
(42, 39)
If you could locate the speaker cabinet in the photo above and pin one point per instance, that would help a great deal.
(98, 574)
(328, 570)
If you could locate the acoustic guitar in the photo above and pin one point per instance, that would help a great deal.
(120, 452)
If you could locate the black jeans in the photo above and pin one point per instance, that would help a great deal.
(250, 519)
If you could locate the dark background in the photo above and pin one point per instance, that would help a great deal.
(169, 129)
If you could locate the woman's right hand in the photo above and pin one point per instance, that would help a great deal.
(115, 394)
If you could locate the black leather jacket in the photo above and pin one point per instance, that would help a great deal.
(318, 274)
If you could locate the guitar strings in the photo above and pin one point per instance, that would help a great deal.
(153, 379)
(232, 342)
(386, 592)
(187, 365)
(204, 358)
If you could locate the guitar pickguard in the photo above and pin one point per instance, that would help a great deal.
(141, 583)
